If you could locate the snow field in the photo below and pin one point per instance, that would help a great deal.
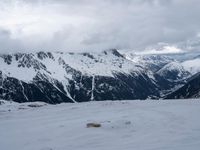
(127, 125)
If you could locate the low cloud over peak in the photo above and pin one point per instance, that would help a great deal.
(68, 25)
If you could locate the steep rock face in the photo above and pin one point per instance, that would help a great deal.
(81, 88)
(190, 90)
(36, 90)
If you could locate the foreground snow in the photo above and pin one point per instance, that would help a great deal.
(139, 125)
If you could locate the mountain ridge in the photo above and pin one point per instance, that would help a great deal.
(56, 77)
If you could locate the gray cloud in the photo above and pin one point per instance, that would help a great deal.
(69, 25)
(7, 44)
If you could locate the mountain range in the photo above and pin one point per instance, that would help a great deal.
(56, 77)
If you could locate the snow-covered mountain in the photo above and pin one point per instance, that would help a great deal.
(152, 62)
(174, 71)
(73, 77)
(56, 77)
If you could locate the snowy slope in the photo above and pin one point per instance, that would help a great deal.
(126, 125)
(192, 65)
(26, 66)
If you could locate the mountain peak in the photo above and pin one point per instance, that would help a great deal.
(114, 52)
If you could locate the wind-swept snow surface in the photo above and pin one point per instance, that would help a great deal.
(125, 125)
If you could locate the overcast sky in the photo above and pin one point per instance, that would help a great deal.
(78, 25)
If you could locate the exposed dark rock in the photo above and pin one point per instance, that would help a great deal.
(190, 90)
